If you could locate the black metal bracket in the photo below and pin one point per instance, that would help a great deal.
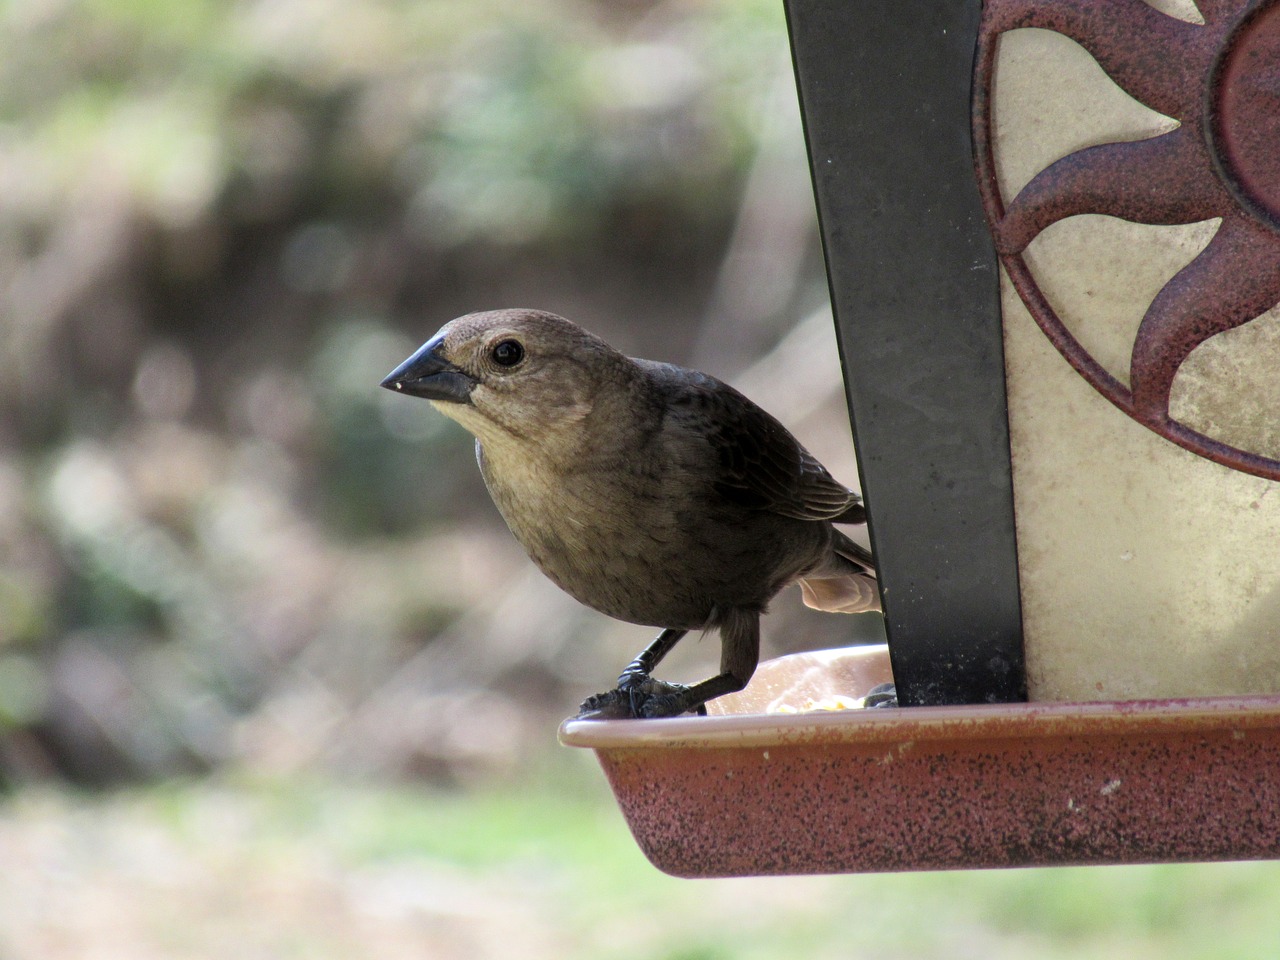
(885, 92)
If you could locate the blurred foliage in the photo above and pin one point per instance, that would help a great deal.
(221, 224)
(489, 121)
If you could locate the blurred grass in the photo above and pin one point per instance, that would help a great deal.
(540, 868)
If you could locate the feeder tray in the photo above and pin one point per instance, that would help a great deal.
(744, 792)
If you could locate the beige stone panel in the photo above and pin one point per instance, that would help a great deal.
(1229, 389)
(1146, 571)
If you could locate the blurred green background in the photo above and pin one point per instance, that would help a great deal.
(274, 679)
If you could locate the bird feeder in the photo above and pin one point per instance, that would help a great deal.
(1052, 231)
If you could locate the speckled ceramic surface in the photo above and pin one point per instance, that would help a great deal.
(943, 787)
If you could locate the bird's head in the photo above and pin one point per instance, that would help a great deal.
(505, 375)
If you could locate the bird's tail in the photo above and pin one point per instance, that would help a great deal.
(854, 593)
(852, 590)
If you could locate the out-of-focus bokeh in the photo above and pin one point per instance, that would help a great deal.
(221, 224)
(269, 605)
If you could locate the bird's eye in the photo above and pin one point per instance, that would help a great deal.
(507, 353)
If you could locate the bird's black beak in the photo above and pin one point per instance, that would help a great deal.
(427, 374)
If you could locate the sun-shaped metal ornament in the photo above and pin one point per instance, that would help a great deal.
(1221, 81)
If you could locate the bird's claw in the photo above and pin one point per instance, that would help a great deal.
(642, 689)
(612, 705)
(638, 695)
(881, 695)
(635, 675)
(671, 704)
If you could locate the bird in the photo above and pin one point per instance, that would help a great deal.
(655, 494)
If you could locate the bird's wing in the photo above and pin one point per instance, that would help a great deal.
(762, 466)
(855, 553)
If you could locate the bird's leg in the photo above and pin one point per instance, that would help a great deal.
(739, 654)
(635, 685)
(642, 666)
(636, 682)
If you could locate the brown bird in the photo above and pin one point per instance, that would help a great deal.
(654, 494)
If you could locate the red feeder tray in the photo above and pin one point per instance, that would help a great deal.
(748, 792)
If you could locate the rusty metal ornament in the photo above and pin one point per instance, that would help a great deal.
(1221, 81)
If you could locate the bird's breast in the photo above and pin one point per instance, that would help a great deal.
(612, 538)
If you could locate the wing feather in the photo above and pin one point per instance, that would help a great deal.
(763, 466)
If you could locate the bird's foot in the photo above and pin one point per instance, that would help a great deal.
(881, 695)
(639, 695)
(655, 698)
(635, 677)
(612, 705)
(672, 703)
